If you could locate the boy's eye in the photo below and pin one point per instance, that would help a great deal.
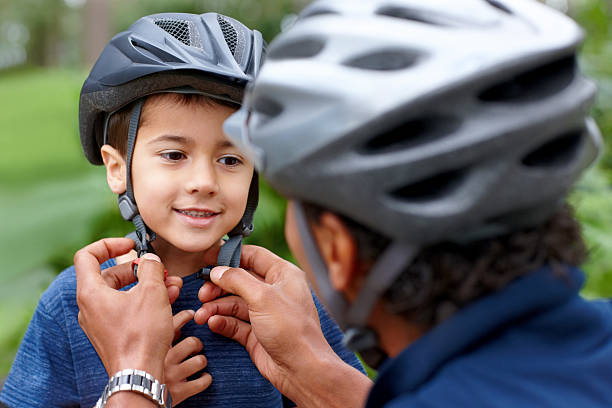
(173, 156)
(230, 161)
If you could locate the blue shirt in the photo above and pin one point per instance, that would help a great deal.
(56, 365)
(536, 343)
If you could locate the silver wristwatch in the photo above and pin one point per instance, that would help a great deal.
(137, 381)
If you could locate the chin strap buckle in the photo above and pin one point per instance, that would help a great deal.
(204, 273)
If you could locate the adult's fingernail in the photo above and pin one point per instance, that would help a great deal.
(152, 257)
(218, 272)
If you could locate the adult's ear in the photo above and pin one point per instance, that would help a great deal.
(340, 253)
(116, 169)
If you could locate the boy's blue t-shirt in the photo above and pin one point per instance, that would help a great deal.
(56, 365)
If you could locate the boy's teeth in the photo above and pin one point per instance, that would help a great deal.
(196, 213)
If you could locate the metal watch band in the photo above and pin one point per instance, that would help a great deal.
(136, 381)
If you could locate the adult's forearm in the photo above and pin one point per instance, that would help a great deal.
(330, 382)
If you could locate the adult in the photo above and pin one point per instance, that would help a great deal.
(427, 149)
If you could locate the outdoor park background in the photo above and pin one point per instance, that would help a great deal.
(52, 202)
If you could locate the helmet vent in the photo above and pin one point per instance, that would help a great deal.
(431, 188)
(413, 133)
(558, 152)
(411, 15)
(386, 60)
(538, 83)
(267, 107)
(182, 30)
(304, 48)
(312, 12)
(229, 33)
(500, 6)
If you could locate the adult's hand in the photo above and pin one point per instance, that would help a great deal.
(128, 329)
(274, 317)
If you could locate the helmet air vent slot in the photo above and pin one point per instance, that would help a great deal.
(432, 188)
(558, 152)
(182, 30)
(229, 33)
(303, 48)
(412, 133)
(317, 11)
(500, 6)
(267, 106)
(541, 82)
(385, 60)
(417, 16)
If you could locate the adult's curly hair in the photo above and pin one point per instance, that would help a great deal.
(445, 277)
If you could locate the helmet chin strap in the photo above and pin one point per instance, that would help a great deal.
(353, 318)
(229, 253)
(143, 236)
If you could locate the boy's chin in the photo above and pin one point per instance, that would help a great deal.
(195, 246)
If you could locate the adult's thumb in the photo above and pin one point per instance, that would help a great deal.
(150, 268)
(239, 282)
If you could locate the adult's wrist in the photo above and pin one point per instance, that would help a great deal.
(130, 399)
(139, 362)
(328, 381)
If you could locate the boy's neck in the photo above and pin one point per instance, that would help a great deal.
(181, 263)
(177, 262)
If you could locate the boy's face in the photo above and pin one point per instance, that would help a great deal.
(191, 185)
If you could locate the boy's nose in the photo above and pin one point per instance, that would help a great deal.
(203, 180)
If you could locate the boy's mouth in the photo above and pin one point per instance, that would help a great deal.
(197, 213)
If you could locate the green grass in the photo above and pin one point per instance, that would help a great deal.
(38, 118)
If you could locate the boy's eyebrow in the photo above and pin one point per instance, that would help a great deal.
(170, 138)
(225, 143)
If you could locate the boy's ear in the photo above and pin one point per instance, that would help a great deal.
(339, 251)
(115, 169)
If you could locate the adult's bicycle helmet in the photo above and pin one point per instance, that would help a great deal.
(425, 121)
(207, 54)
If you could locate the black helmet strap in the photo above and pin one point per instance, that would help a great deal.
(127, 204)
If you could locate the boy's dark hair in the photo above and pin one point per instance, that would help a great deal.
(445, 277)
(119, 121)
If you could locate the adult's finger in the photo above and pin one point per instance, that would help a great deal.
(173, 293)
(227, 306)
(231, 328)
(259, 260)
(239, 282)
(209, 291)
(88, 259)
(174, 285)
(119, 276)
(174, 281)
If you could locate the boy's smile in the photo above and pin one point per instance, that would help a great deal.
(190, 183)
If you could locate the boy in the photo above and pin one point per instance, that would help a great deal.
(151, 111)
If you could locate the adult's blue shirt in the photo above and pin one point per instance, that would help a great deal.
(56, 365)
(536, 343)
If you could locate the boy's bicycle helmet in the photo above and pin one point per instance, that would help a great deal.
(425, 121)
(208, 54)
